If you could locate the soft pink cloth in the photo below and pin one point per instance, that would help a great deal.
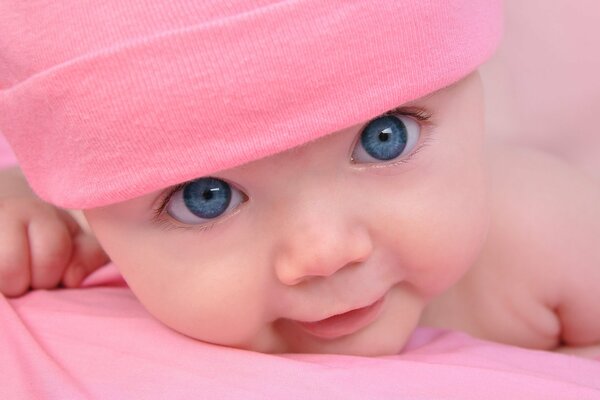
(7, 157)
(105, 102)
(99, 343)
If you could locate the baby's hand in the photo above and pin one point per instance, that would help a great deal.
(41, 246)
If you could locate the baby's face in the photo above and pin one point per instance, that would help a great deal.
(275, 255)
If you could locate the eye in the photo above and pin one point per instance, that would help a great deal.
(386, 138)
(203, 199)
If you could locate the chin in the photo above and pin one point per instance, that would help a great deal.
(371, 349)
(380, 339)
(353, 345)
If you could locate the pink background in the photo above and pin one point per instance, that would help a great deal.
(543, 85)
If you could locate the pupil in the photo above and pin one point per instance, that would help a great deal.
(207, 197)
(384, 138)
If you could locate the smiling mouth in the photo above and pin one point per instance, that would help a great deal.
(344, 324)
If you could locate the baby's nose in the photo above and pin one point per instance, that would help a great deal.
(320, 249)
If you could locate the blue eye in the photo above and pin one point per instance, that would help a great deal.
(386, 138)
(203, 199)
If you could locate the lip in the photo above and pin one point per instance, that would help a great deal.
(344, 324)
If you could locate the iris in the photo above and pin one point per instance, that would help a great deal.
(384, 138)
(207, 197)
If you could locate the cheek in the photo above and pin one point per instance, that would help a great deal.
(195, 285)
(440, 218)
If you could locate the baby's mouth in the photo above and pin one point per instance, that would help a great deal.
(345, 323)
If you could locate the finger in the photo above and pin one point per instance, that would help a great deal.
(87, 257)
(14, 259)
(50, 247)
(72, 224)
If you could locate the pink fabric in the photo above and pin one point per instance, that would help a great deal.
(7, 157)
(99, 343)
(109, 102)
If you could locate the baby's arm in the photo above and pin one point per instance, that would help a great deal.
(557, 210)
(579, 292)
(41, 246)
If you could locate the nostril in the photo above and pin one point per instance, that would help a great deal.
(291, 271)
(299, 280)
(295, 271)
(320, 252)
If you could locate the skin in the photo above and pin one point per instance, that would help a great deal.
(540, 266)
(335, 235)
(454, 234)
(42, 246)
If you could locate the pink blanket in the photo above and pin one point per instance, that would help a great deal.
(98, 342)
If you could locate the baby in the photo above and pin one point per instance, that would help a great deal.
(291, 176)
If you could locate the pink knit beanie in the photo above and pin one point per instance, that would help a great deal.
(103, 101)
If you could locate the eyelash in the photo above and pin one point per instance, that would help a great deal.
(424, 119)
(167, 226)
(415, 112)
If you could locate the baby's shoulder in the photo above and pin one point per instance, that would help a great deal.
(537, 280)
(543, 243)
(543, 207)
(531, 175)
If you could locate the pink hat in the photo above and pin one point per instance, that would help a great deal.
(105, 101)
